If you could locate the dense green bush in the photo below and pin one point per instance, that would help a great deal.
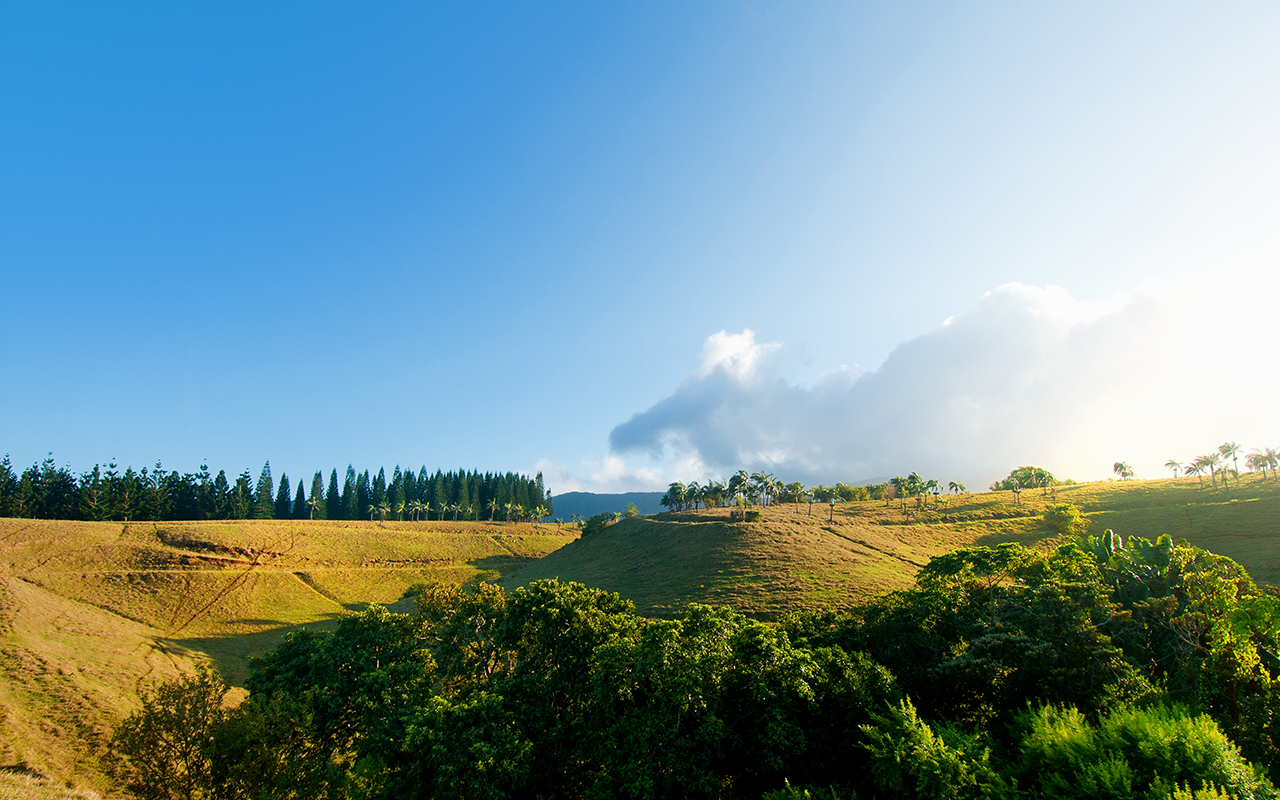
(1066, 519)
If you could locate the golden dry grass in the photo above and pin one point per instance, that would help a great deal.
(92, 613)
(797, 557)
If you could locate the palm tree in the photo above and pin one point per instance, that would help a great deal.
(738, 484)
(1209, 461)
(1173, 465)
(934, 488)
(493, 506)
(539, 514)
(677, 493)
(957, 487)
(399, 508)
(1194, 468)
(1123, 470)
(1273, 459)
(1231, 450)
(316, 501)
(693, 494)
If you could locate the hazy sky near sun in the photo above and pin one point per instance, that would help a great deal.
(629, 243)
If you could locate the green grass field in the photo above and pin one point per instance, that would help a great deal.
(93, 613)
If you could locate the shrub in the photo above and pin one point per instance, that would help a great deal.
(162, 751)
(1066, 519)
(596, 523)
(1133, 752)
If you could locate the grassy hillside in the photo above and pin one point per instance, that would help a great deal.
(797, 557)
(91, 613)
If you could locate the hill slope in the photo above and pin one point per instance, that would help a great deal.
(801, 558)
(93, 612)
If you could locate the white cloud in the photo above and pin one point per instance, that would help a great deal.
(735, 353)
(1030, 375)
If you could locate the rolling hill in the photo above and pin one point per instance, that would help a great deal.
(797, 557)
(93, 612)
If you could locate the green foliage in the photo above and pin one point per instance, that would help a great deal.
(164, 750)
(789, 792)
(910, 759)
(752, 515)
(1134, 752)
(631, 510)
(45, 491)
(1105, 668)
(1066, 519)
(1026, 477)
(597, 523)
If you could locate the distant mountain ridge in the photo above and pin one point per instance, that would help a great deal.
(586, 504)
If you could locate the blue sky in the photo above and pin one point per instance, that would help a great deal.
(623, 243)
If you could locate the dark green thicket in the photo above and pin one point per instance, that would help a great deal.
(1105, 669)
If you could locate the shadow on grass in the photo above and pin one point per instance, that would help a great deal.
(231, 654)
(1037, 535)
(501, 565)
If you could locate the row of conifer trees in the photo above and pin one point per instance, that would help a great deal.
(47, 491)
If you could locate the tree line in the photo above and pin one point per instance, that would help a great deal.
(1102, 669)
(762, 488)
(47, 491)
(1214, 463)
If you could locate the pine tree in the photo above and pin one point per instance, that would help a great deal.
(300, 510)
(333, 498)
(363, 495)
(350, 509)
(317, 492)
(545, 494)
(264, 497)
(410, 487)
(464, 493)
(442, 495)
(242, 497)
(221, 496)
(378, 488)
(283, 509)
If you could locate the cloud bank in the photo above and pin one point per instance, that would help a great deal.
(1029, 376)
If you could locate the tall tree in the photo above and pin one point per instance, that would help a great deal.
(333, 497)
(350, 506)
(317, 504)
(283, 508)
(301, 510)
(441, 495)
(264, 497)
(1231, 450)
